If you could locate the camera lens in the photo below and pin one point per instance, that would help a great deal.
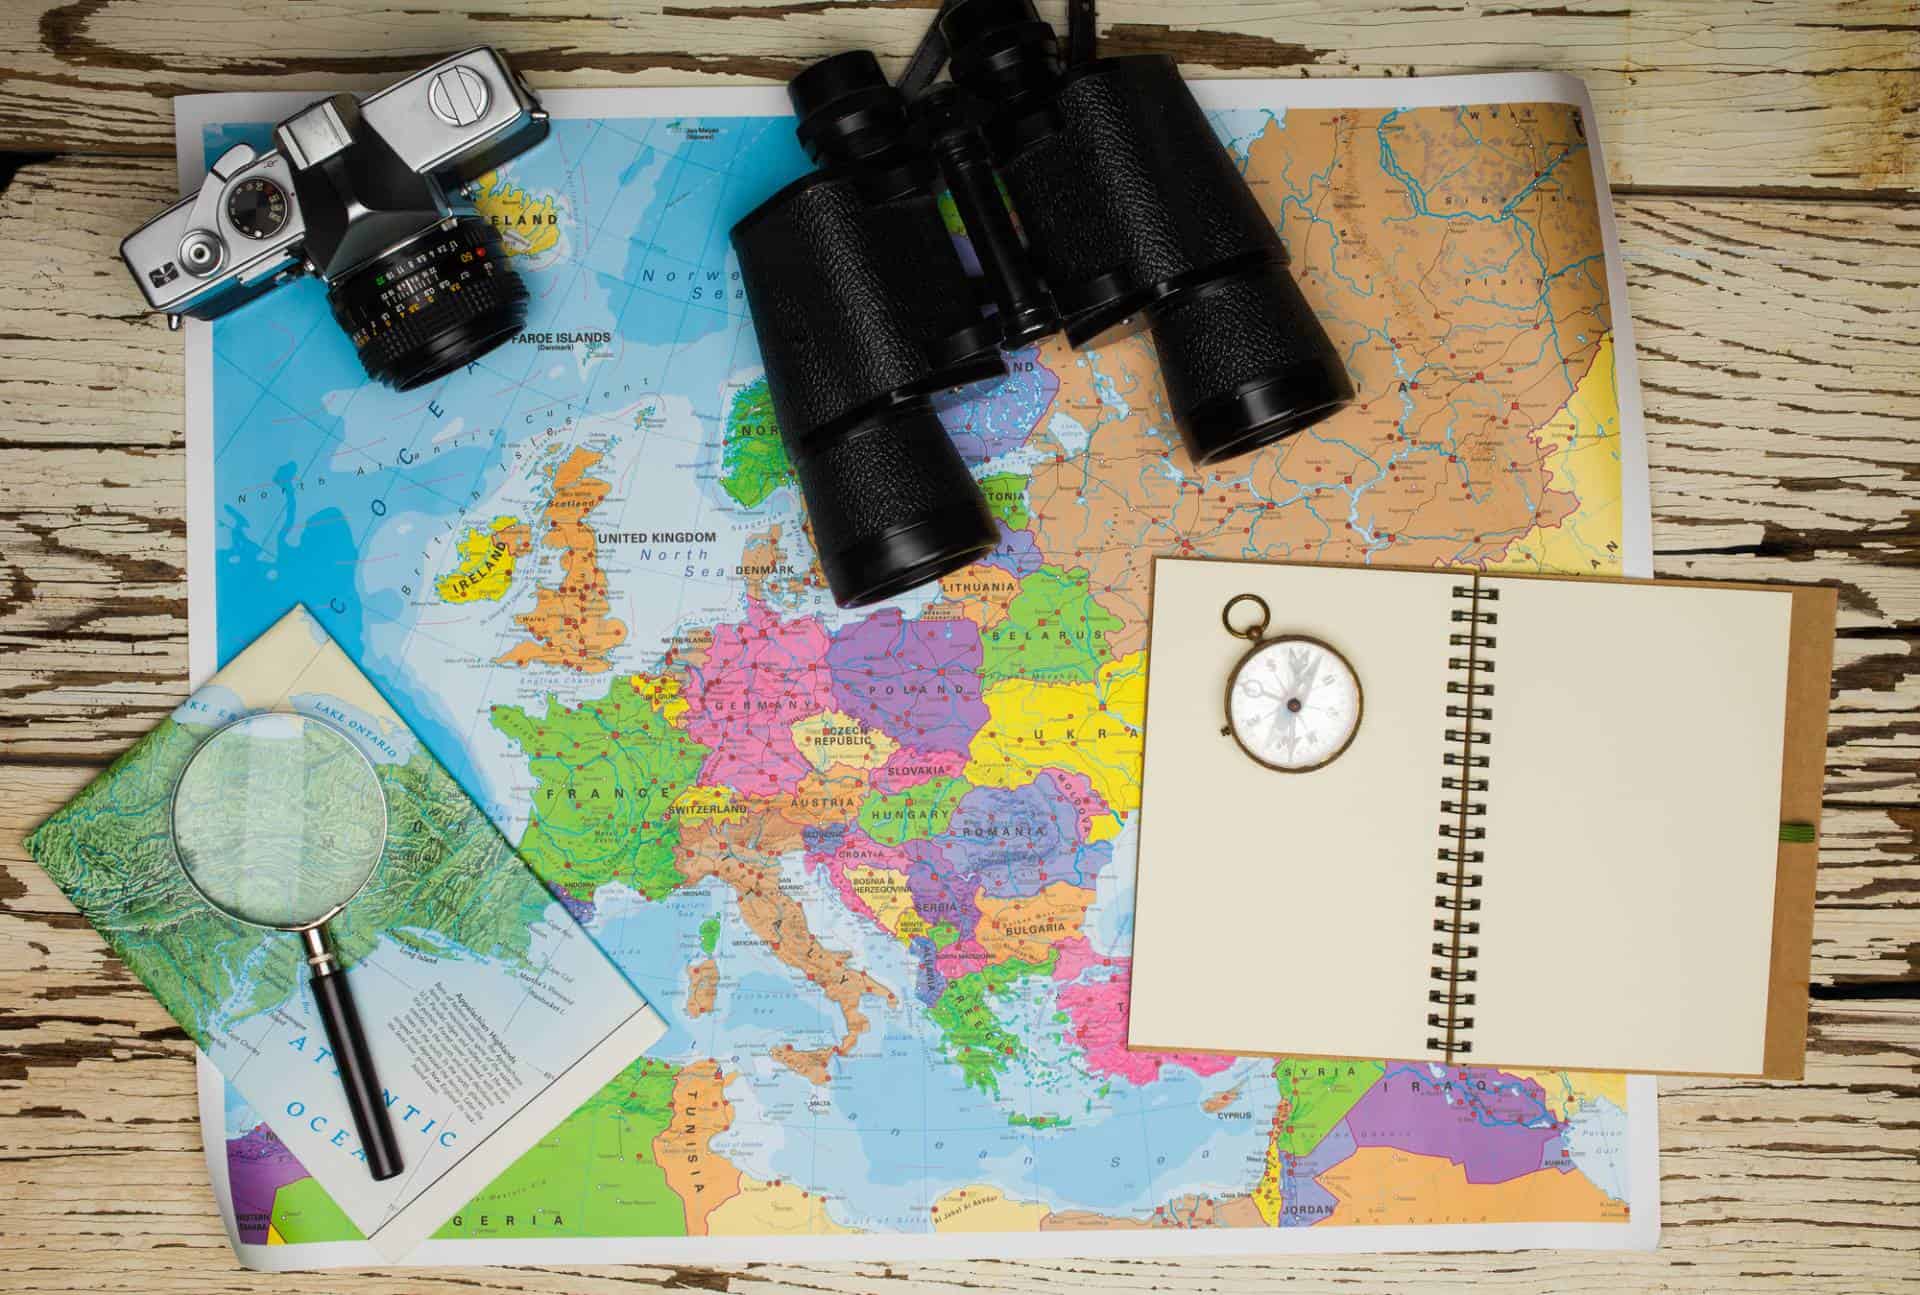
(432, 305)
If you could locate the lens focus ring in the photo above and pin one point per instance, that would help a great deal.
(432, 305)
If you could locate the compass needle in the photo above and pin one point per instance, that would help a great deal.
(1293, 702)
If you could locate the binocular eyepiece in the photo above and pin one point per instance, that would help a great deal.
(1134, 217)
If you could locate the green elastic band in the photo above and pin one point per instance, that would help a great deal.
(1796, 833)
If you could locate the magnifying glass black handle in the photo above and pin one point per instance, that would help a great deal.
(364, 1098)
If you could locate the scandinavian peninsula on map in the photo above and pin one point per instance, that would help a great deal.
(875, 866)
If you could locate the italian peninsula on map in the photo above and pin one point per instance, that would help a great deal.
(875, 866)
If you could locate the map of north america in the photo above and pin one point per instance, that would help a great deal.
(875, 866)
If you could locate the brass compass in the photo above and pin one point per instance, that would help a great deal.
(1293, 702)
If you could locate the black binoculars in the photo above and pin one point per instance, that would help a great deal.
(1131, 215)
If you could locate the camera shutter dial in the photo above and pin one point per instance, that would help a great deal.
(257, 207)
(458, 96)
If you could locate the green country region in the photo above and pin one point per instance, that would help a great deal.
(594, 1175)
(753, 461)
(302, 1212)
(950, 210)
(971, 1034)
(709, 936)
(919, 812)
(1006, 494)
(1054, 632)
(1319, 1093)
(606, 775)
(950, 214)
(1020, 1121)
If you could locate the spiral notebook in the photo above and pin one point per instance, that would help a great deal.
(1575, 825)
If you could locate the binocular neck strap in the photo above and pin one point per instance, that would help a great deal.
(1079, 31)
(931, 55)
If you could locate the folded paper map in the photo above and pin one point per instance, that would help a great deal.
(489, 1013)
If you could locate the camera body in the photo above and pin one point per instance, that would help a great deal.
(357, 191)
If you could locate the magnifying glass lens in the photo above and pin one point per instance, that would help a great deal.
(279, 820)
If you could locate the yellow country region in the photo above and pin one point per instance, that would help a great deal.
(885, 892)
(831, 738)
(772, 1209)
(1267, 1196)
(714, 804)
(1583, 460)
(1568, 1091)
(1092, 729)
(663, 691)
(487, 556)
(985, 1209)
(529, 225)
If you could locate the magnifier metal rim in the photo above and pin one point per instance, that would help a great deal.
(173, 816)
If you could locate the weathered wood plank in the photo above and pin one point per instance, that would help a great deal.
(1778, 348)
(1690, 94)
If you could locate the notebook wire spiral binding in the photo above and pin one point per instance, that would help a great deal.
(1469, 716)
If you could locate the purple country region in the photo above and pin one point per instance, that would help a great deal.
(940, 894)
(1494, 1125)
(1020, 840)
(258, 1166)
(580, 910)
(928, 982)
(1019, 554)
(988, 419)
(1558, 1155)
(821, 840)
(918, 681)
(1303, 1201)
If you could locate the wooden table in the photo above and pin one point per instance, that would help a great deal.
(1765, 160)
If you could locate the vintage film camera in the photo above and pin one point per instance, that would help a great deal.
(356, 191)
(1134, 217)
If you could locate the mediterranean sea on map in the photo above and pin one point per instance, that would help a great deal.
(875, 867)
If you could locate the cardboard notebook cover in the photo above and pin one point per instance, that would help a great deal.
(1808, 670)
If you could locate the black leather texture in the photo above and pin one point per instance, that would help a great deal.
(1252, 327)
(1134, 183)
(885, 474)
(851, 298)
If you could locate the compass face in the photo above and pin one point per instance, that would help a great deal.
(1293, 704)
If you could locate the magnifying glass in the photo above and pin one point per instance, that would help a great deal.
(278, 822)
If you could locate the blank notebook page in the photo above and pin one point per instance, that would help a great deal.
(1633, 814)
(1250, 878)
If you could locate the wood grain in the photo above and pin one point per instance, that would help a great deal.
(1765, 159)
(1791, 95)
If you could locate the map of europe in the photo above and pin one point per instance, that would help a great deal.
(875, 866)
